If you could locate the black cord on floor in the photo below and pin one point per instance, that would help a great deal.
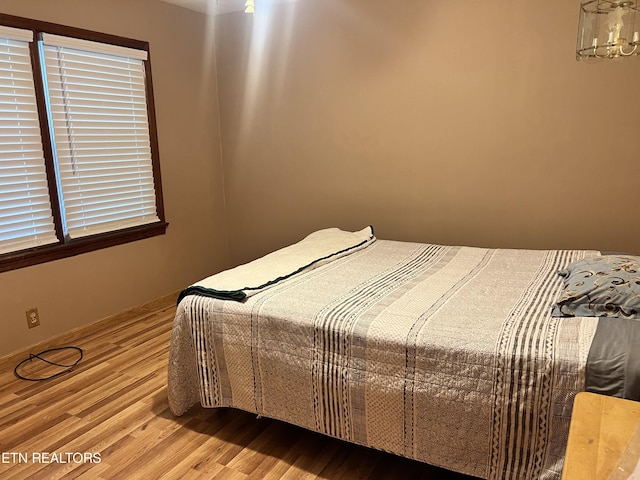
(68, 368)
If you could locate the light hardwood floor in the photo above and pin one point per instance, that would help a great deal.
(109, 419)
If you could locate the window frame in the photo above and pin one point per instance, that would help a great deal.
(70, 247)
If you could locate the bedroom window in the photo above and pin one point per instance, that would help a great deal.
(79, 166)
(25, 208)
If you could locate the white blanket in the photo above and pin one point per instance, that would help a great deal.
(311, 252)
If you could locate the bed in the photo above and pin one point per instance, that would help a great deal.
(460, 357)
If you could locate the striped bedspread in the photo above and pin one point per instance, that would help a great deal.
(443, 354)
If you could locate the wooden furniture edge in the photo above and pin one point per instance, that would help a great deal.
(600, 433)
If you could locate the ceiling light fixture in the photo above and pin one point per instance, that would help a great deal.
(249, 6)
(608, 29)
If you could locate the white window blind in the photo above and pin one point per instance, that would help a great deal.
(26, 220)
(98, 112)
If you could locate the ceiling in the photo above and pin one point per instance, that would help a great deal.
(213, 7)
(216, 7)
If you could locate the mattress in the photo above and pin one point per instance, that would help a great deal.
(444, 354)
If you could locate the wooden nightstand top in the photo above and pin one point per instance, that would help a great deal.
(600, 433)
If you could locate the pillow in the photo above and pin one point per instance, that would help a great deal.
(603, 286)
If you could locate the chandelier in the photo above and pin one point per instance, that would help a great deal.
(608, 29)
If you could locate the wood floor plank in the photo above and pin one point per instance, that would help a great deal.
(113, 407)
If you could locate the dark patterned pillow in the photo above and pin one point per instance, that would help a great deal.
(603, 286)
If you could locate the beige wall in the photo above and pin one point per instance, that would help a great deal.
(82, 289)
(447, 122)
(455, 122)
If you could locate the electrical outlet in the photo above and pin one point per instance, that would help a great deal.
(33, 318)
